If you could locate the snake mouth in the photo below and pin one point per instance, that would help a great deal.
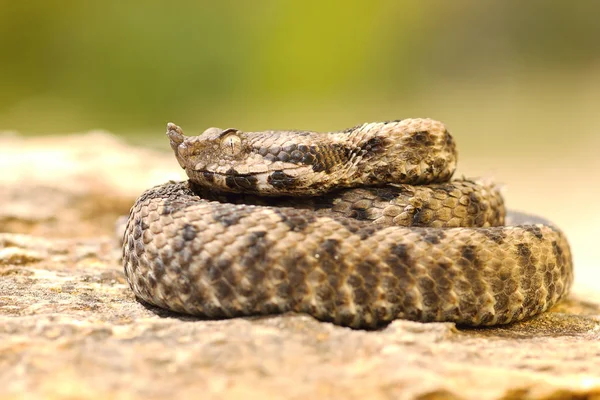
(206, 172)
(232, 172)
(269, 183)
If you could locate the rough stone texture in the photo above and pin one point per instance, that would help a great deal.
(74, 185)
(71, 328)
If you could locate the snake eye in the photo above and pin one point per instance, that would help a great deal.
(231, 144)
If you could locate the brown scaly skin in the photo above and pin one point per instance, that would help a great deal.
(412, 151)
(341, 257)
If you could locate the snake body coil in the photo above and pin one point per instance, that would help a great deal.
(275, 221)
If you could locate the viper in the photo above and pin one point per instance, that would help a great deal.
(357, 227)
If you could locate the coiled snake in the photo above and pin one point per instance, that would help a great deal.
(357, 227)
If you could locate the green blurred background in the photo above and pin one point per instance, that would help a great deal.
(496, 69)
(517, 82)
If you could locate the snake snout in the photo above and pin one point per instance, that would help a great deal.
(175, 135)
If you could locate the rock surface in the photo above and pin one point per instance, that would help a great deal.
(71, 328)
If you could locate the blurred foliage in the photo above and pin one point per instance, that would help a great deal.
(130, 66)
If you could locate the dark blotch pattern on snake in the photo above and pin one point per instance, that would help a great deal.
(357, 227)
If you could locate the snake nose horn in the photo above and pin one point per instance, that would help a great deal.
(175, 134)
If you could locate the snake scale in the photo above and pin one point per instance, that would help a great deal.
(357, 227)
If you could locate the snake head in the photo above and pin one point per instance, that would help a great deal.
(214, 149)
(218, 158)
(230, 160)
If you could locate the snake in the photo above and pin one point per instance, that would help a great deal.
(357, 227)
